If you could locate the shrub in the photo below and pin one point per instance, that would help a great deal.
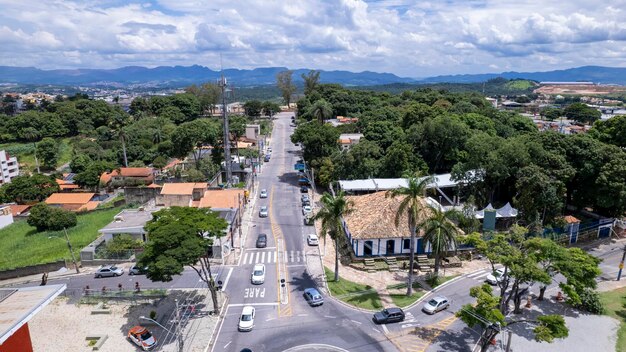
(153, 314)
(590, 302)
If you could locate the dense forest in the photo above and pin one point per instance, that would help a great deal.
(500, 155)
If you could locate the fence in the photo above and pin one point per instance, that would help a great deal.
(90, 295)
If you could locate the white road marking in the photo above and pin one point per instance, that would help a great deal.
(378, 331)
(303, 315)
(294, 265)
(262, 257)
(256, 259)
(226, 345)
(385, 329)
(476, 273)
(245, 258)
(330, 316)
(356, 322)
(253, 304)
(230, 271)
(481, 276)
(275, 257)
(298, 256)
(260, 249)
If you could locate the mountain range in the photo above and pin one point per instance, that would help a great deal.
(184, 75)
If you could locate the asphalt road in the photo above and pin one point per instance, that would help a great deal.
(285, 321)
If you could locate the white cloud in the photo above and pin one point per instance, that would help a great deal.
(405, 37)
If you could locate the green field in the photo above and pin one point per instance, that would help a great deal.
(358, 295)
(614, 303)
(21, 245)
(519, 85)
(401, 299)
(26, 156)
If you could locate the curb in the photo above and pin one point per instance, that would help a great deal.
(61, 276)
(219, 318)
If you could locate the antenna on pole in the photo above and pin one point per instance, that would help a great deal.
(227, 158)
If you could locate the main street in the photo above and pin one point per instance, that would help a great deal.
(284, 320)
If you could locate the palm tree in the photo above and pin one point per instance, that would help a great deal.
(331, 214)
(321, 110)
(441, 232)
(411, 204)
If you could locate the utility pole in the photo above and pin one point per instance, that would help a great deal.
(69, 245)
(227, 160)
(179, 333)
(621, 265)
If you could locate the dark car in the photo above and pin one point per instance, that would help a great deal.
(313, 297)
(261, 241)
(267, 158)
(389, 315)
(304, 189)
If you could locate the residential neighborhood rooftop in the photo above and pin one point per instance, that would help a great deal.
(221, 198)
(185, 188)
(69, 198)
(128, 220)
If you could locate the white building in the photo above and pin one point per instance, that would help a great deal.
(6, 218)
(9, 168)
(347, 140)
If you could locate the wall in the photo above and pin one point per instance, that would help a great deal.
(18, 342)
(6, 218)
(174, 200)
(140, 195)
(32, 270)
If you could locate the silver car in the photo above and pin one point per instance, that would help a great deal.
(435, 305)
(497, 276)
(263, 212)
(108, 271)
(263, 193)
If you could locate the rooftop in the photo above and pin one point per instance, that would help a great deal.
(221, 198)
(185, 188)
(70, 198)
(128, 221)
(127, 172)
(19, 305)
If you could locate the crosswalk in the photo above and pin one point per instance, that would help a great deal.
(479, 275)
(268, 257)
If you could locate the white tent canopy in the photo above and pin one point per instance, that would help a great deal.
(507, 211)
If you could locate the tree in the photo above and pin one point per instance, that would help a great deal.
(331, 214)
(237, 128)
(321, 110)
(538, 193)
(319, 140)
(411, 204)
(159, 162)
(270, 108)
(79, 163)
(47, 218)
(118, 122)
(440, 232)
(612, 131)
(191, 136)
(551, 114)
(286, 86)
(311, 81)
(179, 237)
(486, 314)
(582, 113)
(49, 152)
(253, 108)
(90, 178)
(208, 95)
(30, 189)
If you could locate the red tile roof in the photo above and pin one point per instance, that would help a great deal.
(70, 198)
(142, 172)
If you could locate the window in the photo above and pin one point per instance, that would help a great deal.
(406, 244)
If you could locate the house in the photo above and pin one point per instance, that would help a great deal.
(347, 140)
(131, 176)
(73, 201)
(186, 194)
(228, 203)
(66, 185)
(17, 307)
(371, 231)
(6, 217)
(342, 120)
(253, 132)
(130, 222)
(20, 210)
(9, 168)
(239, 172)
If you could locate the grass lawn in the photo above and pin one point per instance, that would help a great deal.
(25, 153)
(615, 306)
(399, 297)
(440, 280)
(21, 245)
(358, 295)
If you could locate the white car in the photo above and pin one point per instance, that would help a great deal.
(246, 320)
(435, 305)
(306, 209)
(496, 277)
(312, 240)
(263, 193)
(269, 149)
(258, 274)
(263, 212)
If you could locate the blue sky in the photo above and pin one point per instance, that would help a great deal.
(408, 38)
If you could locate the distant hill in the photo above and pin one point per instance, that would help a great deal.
(597, 74)
(181, 76)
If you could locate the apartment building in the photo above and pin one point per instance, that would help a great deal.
(9, 168)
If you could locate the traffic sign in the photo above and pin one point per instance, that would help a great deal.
(299, 167)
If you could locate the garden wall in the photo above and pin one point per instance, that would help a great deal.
(32, 270)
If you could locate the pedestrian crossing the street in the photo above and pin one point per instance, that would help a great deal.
(269, 257)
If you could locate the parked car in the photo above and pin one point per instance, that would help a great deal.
(108, 271)
(141, 337)
(246, 320)
(269, 150)
(306, 209)
(496, 277)
(266, 158)
(312, 239)
(313, 297)
(305, 198)
(261, 241)
(435, 305)
(258, 274)
(137, 270)
(263, 193)
(304, 189)
(389, 315)
(263, 212)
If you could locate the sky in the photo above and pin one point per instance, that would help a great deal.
(408, 38)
